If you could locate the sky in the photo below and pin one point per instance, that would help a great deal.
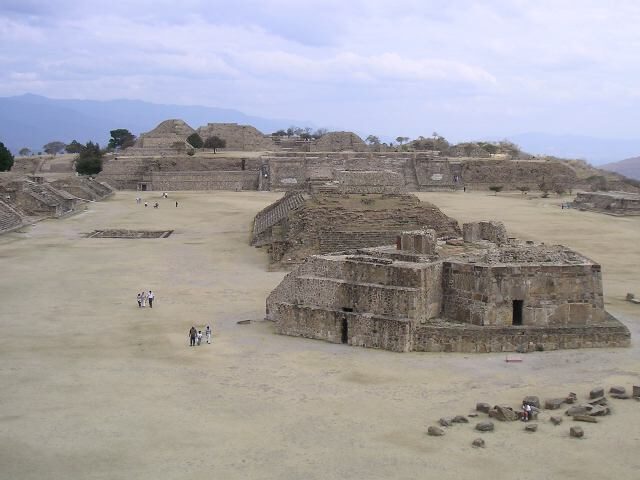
(465, 69)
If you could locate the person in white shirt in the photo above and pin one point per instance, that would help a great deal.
(207, 332)
(151, 296)
(144, 299)
(199, 337)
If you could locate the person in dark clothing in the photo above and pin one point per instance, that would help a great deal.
(192, 336)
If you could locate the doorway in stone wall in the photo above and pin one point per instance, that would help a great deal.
(345, 325)
(518, 306)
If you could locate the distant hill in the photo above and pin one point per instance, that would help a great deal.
(592, 149)
(629, 167)
(32, 120)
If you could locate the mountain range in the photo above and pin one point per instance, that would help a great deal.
(31, 121)
(629, 167)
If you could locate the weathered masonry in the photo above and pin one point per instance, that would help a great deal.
(612, 203)
(427, 295)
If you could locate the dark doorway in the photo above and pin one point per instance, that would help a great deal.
(517, 312)
(243, 164)
(345, 330)
(143, 187)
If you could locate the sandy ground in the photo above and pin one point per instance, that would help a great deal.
(92, 387)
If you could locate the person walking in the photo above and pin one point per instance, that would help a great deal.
(176, 204)
(139, 300)
(151, 296)
(199, 341)
(207, 332)
(192, 336)
(143, 295)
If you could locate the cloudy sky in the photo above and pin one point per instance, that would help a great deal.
(464, 68)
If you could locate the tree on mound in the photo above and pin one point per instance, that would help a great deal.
(89, 161)
(55, 147)
(121, 138)
(24, 152)
(6, 159)
(74, 147)
(195, 140)
(215, 142)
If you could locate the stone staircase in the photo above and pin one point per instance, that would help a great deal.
(274, 213)
(10, 219)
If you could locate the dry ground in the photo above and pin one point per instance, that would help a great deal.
(94, 388)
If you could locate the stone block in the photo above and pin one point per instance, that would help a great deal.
(576, 432)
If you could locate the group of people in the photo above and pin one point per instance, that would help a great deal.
(145, 297)
(195, 336)
(156, 204)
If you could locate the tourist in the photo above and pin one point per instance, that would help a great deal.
(146, 204)
(526, 411)
(207, 332)
(176, 204)
(199, 337)
(192, 336)
(140, 300)
(151, 296)
(144, 299)
(155, 205)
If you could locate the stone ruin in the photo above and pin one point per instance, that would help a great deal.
(339, 142)
(165, 136)
(238, 138)
(422, 295)
(25, 199)
(612, 203)
(332, 218)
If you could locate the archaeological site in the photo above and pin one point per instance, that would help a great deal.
(612, 203)
(484, 293)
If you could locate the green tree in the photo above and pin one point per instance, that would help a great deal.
(121, 138)
(401, 140)
(319, 133)
(195, 140)
(24, 152)
(215, 142)
(372, 140)
(6, 159)
(496, 189)
(89, 161)
(74, 147)
(55, 147)
(279, 133)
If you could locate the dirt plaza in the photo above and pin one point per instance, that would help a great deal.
(94, 387)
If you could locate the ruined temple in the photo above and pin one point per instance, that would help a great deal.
(425, 295)
(238, 137)
(347, 210)
(339, 142)
(612, 203)
(165, 136)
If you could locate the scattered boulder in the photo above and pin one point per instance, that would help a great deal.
(571, 398)
(472, 415)
(577, 410)
(576, 432)
(599, 410)
(596, 392)
(445, 421)
(478, 443)
(553, 403)
(555, 420)
(598, 401)
(485, 426)
(636, 391)
(483, 407)
(624, 396)
(457, 242)
(531, 427)
(617, 390)
(532, 400)
(460, 419)
(435, 431)
(503, 413)
(585, 418)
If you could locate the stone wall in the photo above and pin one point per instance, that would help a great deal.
(551, 294)
(236, 180)
(613, 203)
(470, 339)
(238, 137)
(482, 174)
(494, 232)
(359, 181)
